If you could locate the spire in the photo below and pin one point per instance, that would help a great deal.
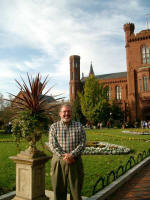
(91, 70)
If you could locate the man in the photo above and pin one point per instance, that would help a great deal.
(67, 142)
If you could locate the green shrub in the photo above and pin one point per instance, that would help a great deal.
(2, 131)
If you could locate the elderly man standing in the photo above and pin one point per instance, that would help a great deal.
(67, 142)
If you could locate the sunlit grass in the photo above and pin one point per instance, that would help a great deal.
(94, 165)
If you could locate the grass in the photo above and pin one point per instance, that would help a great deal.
(94, 165)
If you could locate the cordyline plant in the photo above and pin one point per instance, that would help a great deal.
(33, 111)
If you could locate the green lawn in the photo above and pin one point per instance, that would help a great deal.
(94, 165)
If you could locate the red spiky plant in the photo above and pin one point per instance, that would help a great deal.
(33, 111)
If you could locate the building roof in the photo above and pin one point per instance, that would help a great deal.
(49, 99)
(109, 76)
(112, 75)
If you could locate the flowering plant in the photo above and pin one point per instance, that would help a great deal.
(105, 148)
(138, 131)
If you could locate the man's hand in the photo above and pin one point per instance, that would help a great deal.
(68, 158)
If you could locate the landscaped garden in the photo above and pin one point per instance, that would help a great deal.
(94, 165)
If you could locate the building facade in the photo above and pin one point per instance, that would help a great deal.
(130, 89)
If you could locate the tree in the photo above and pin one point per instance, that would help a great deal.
(94, 103)
(77, 112)
(6, 112)
(2, 102)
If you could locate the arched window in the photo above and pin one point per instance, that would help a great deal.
(145, 55)
(118, 92)
(145, 83)
(75, 64)
(109, 93)
(75, 75)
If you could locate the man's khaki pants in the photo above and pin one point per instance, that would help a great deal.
(61, 173)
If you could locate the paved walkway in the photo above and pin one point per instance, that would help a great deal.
(138, 188)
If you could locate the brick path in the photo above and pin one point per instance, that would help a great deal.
(138, 188)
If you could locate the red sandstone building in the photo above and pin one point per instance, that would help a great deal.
(130, 89)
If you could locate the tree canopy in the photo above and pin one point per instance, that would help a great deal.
(94, 101)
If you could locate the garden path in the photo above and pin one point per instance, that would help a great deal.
(138, 188)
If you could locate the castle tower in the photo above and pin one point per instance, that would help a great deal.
(138, 72)
(129, 33)
(129, 30)
(75, 83)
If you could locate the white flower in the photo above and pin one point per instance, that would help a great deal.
(106, 149)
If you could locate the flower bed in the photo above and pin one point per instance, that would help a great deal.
(137, 132)
(105, 148)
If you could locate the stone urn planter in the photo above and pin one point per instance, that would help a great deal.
(32, 117)
(30, 175)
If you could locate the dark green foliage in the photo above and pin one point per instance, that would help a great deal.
(28, 125)
(116, 111)
(117, 116)
(77, 112)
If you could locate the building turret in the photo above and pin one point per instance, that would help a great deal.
(129, 30)
(75, 83)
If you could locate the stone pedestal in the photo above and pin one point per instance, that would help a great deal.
(30, 175)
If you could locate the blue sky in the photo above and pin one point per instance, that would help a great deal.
(40, 35)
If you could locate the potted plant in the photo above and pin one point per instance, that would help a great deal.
(33, 112)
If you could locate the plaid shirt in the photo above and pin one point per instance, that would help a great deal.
(67, 139)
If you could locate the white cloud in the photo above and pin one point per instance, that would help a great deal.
(58, 29)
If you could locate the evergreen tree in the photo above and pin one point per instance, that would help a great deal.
(94, 103)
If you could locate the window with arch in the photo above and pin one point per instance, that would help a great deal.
(145, 55)
(76, 75)
(109, 93)
(118, 92)
(75, 64)
(145, 83)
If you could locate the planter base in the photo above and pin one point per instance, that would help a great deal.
(38, 198)
(30, 176)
